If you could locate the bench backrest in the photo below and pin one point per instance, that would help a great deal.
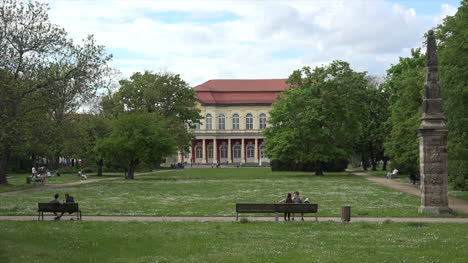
(255, 208)
(54, 207)
(271, 208)
(297, 208)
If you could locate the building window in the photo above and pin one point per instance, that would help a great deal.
(262, 121)
(209, 120)
(210, 152)
(221, 122)
(236, 151)
(223, 151)
(235, 121)
(197, 126)
(250, 151)
(249, 122)
(187, 155)
(198, 152)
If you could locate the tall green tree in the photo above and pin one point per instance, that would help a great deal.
(136, 138)
(316, 119)
(373, 128)
(453, 66)
(404, 82)
(44, 74)
(164, 94)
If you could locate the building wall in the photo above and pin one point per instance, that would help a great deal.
(230, 138)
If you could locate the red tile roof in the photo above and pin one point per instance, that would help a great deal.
(240, 91)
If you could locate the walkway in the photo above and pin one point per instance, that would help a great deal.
(454, 203)
(233, 218)
(52, 186)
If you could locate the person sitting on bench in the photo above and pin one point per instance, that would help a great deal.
(297, 200)
(287, 200)
(56, 201)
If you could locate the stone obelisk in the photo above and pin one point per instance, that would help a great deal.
(432, 135)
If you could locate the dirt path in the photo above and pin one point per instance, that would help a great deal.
(233, 218)
(52, 186)
(454, 203)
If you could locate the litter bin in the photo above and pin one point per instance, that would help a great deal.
(345, 214)
(28, 179)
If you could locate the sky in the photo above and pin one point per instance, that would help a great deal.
(260, 39)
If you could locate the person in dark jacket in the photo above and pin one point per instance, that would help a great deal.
(287, 200)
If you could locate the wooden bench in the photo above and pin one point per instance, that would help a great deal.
(58, 208)
(276, 208)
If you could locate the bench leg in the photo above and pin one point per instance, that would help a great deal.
(38, 216)
(237, 216)
(276, 217)
(316, 217)
(42, 213)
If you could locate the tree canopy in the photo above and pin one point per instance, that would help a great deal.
(316, 119)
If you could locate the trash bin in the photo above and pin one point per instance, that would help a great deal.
(345, 214)
(28, 179)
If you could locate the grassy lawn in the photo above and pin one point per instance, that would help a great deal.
(402, 178)
(18, 181)
(214, 192)
(231, 242)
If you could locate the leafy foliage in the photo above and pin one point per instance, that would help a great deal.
(317, 117)
(405, 82)
(453, 57)
(136, 138)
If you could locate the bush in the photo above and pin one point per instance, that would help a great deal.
(332, 166)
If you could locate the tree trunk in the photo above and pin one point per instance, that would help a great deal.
(318, 168)
(4, 157)
(131, 171)
(99, 163)
(384, 167)
(364, 162)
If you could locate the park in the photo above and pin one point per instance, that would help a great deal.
(107, 157)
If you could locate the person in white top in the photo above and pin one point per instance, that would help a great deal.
(33, 171)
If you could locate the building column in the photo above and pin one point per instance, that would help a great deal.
(256, 150)
(242, 151)
(179, 156)
(215, 151)
(204, 151)
(190, 153)
(229, 151)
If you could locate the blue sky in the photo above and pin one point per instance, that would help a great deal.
(202, 40)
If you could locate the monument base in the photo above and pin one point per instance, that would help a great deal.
(435, 210)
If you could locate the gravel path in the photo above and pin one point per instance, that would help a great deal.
(231, 219)
(454, 203)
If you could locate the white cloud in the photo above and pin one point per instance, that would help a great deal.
(446, 10)
(368, 34)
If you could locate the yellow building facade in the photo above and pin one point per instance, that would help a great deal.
(235, 113)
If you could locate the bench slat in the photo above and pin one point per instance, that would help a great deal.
(272, 208)
(54, 207)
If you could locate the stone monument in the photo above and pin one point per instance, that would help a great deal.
(432, 135)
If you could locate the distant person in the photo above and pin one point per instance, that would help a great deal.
(48, 174)
(57, 173)
(297, 200)
(287, 200)
(56, 201)
(82, 174)
(33, 171)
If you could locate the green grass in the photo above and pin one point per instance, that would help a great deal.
(214, 192)
(18, 181)
(231, 242)
(402, 178)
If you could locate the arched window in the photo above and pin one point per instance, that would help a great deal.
(236, 151)
(262, 121)
(235, 121)
(250, 151)
(199, 152)
(210, 152)
(249, 122)
(221, 122)
(223, 151)
(209, 122)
